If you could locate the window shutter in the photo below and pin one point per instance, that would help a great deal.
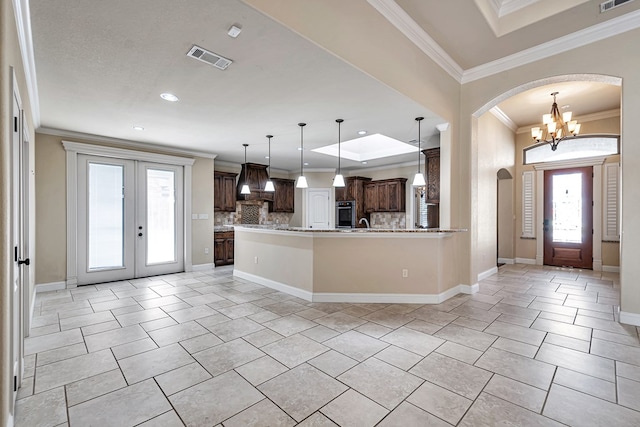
(528, 205)
(610, 217)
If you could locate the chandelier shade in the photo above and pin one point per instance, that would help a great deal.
(555, 126)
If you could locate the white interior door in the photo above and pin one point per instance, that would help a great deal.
(159, 235)
(15, 241)
(318, 209)
(130, 219)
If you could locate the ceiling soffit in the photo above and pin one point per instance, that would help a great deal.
(548, 45)
(506, 16)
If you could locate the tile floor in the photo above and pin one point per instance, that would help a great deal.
(536, 346)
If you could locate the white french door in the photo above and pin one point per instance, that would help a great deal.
(129, 220)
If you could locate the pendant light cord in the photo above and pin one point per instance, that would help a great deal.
(339, 141)
(419, 119)
(302, 125)
(269, 136)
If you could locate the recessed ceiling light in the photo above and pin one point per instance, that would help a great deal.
(306, 163)
(138, 128)
(299, 148)
(362, 132)
(364, 163)
(168, 97)
(266, 157)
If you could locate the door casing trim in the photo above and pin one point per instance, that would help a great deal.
(75, 148)
(596, 163)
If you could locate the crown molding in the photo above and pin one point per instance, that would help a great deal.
(500, 115)
(124, 143)
(610, 28)
(407, 26)
(23, 24)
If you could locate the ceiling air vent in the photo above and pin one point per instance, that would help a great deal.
(611, 4)
(209, 57)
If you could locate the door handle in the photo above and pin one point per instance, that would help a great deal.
(139, 234)
(25, 261)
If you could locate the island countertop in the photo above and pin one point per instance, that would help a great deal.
(347, 230)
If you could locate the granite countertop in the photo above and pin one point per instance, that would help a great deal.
(353, 230)
(222, 228)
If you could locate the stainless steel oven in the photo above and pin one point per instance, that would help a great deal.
(346, 214)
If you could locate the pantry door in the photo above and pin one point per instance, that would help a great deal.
(129, 220)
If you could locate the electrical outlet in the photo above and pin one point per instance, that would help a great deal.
(405, 272)
(206, 251)
(255, 260)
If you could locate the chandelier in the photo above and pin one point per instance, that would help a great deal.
(555, 126)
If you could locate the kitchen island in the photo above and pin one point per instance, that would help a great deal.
(352, 265)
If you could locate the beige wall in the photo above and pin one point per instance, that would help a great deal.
(51, 217)
(10, 58)
(497, 153)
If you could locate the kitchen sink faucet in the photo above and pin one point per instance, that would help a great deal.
(365, 221)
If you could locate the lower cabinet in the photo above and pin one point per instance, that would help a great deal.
(223, 248)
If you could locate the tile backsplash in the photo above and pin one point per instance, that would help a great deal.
(251, 215)
(388, 220)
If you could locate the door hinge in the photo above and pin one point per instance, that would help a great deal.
(592, 231)
(15, 383)
(15, 254)
(15, 124)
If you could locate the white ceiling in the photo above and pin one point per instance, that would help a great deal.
(101, 67)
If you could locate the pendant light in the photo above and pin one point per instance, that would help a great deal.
(302, 181)
(338, 181)
(418, 180)
(245, 187)
(269, 185)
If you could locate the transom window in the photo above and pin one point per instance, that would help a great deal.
(577, 147)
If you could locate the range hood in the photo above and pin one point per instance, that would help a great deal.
(255, 176)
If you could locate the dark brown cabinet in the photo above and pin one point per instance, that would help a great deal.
(387, 195)
(224, 191)
(432, 174)
(283, 196)
(354, 189)
(255, 176)
(223, 247)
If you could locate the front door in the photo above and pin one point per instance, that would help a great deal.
(568, 217)
(130, 219)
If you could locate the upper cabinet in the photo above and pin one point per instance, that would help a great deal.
(387, 195)
(255, 176)
(283, 196)
(224, 191)
(432, 174)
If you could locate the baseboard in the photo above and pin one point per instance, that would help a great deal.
(529, 261)
(53, 286)
(287, 289)
(506, 260)
(490, 272)
(630, 318)
(611, 268)
(203, 267)
(469, 289)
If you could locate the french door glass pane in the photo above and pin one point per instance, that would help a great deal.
(106, 216)
(567, 208)
(161, 201)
